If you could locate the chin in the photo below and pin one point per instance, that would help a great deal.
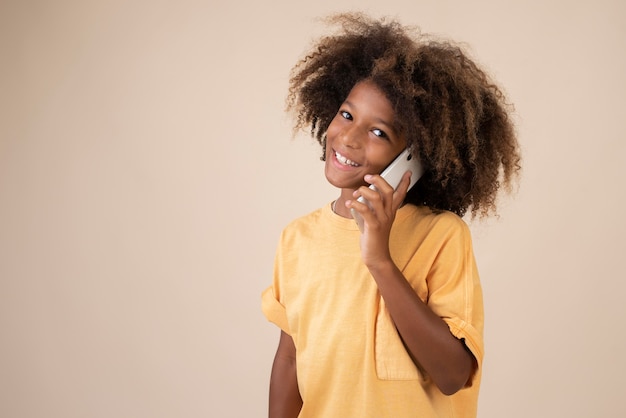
(335, 182)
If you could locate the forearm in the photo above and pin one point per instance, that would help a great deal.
(426, 336)
(284, 399)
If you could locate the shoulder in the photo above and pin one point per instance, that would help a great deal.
(306, 221)
(304, 225)
(418, 226)
(413, 217)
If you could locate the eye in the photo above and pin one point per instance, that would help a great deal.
(379, 133)
(345, 114)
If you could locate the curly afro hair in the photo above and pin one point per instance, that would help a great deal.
(454, 118)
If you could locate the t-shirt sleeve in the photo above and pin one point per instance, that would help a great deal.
(454, 290)
(273, 310)
(272, 298)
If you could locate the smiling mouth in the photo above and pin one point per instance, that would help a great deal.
(344, 161)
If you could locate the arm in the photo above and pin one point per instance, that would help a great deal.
(426, 336)
(285, 400)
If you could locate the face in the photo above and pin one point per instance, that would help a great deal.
(361, 138)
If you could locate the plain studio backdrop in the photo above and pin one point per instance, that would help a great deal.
(147, 169)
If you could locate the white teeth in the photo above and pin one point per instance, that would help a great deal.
(343, 160)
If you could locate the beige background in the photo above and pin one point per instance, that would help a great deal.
(146, 170)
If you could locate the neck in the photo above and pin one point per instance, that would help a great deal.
(339, 205)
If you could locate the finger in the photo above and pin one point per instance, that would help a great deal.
(360, 211)
(402, 189)
(372, 196)
(379, 194)
(379, 183)
(400, 193)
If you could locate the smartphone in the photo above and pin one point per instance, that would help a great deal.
(393, 175)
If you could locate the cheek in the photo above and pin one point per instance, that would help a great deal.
(382, 156)
(331, 132)
(383, 159)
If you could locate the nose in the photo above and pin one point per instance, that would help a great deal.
(350, 137)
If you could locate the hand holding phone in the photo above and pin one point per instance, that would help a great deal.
(393, 175)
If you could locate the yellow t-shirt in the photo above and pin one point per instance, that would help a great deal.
(350, 359)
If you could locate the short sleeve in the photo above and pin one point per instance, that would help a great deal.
(454, 290)
(273, 310)
(472, 339)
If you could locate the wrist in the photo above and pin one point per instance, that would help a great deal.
(381, 267)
